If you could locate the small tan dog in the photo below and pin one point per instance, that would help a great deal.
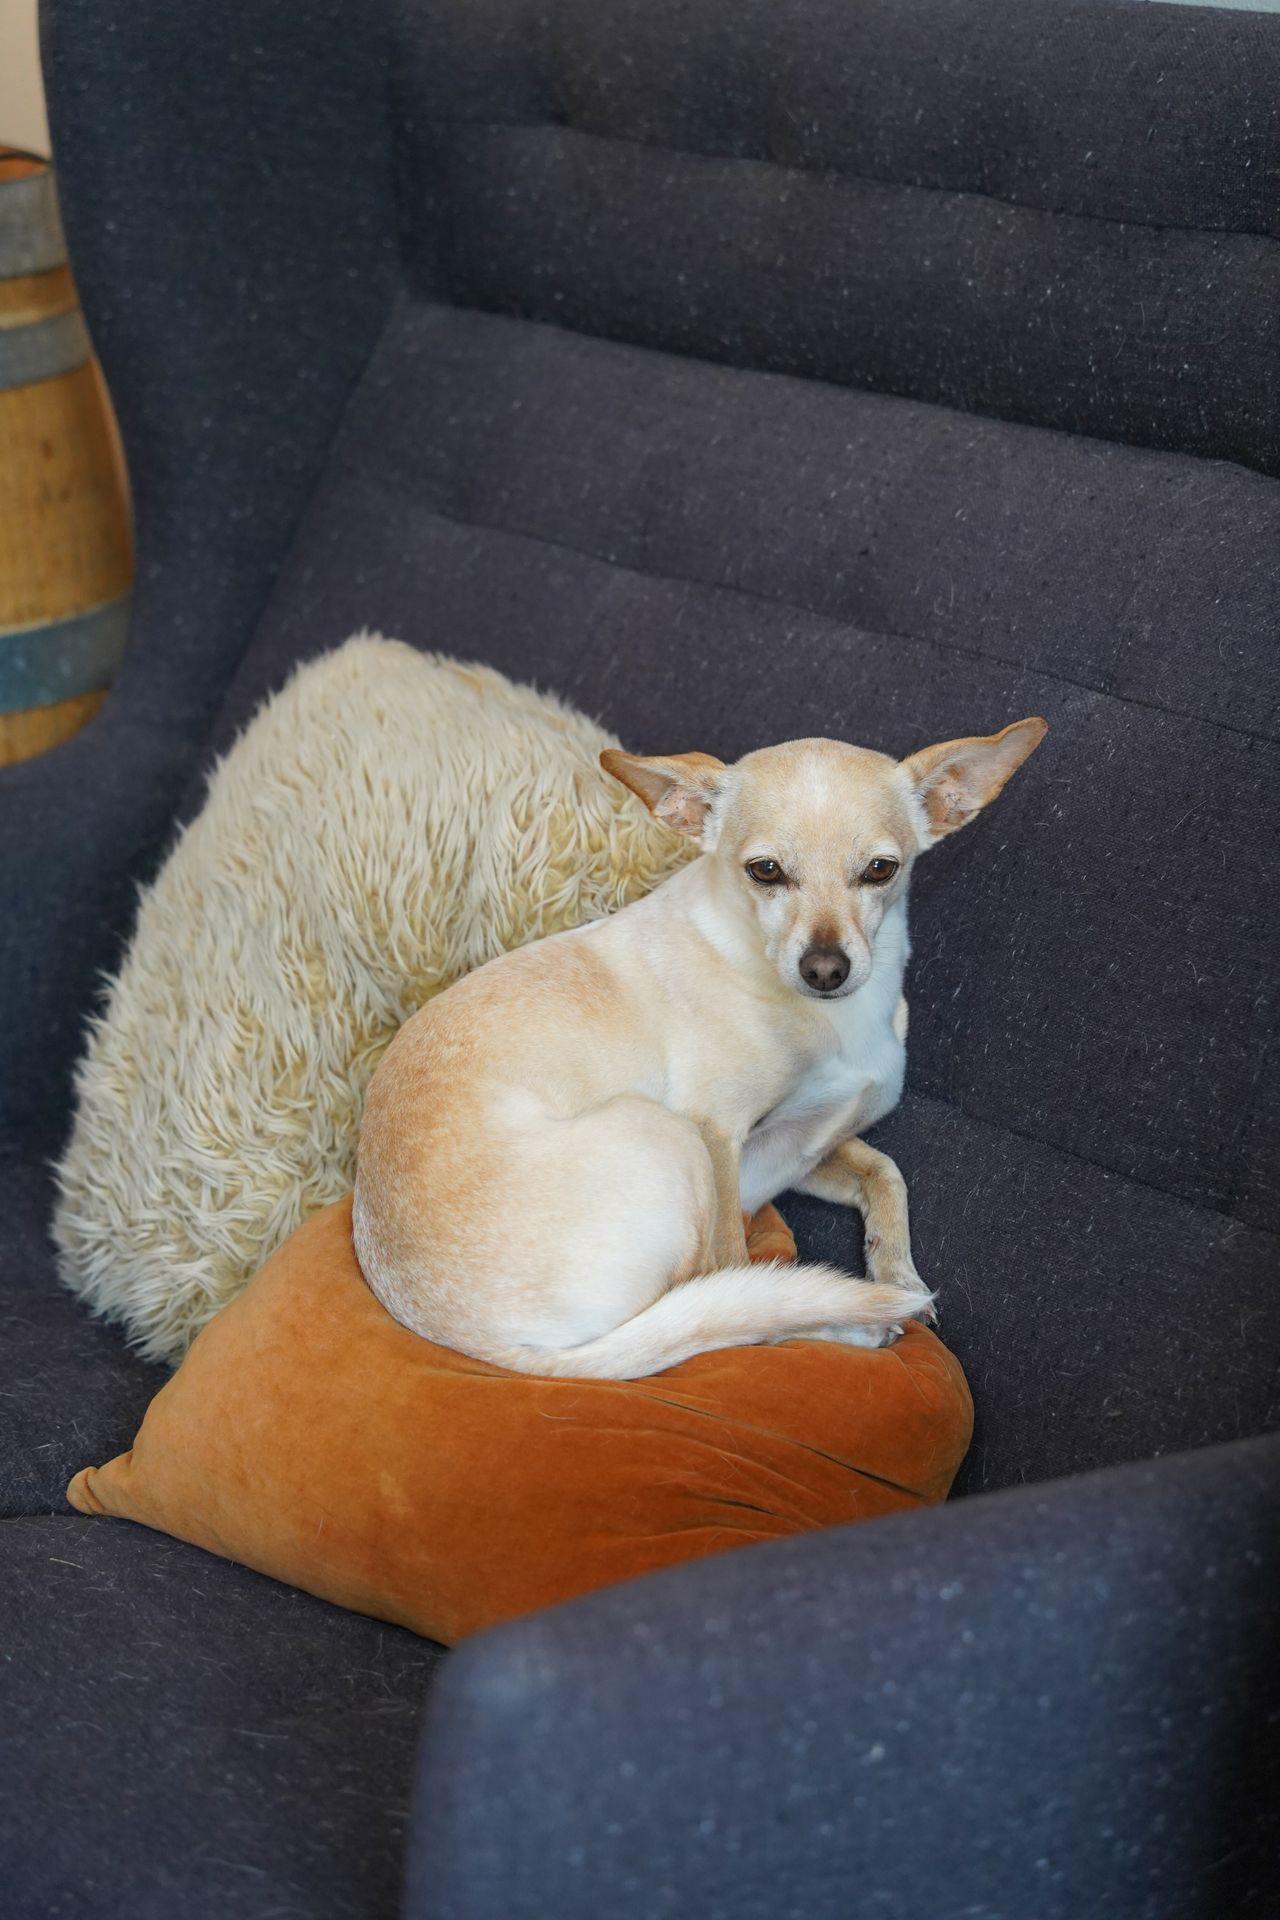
(557, 1152)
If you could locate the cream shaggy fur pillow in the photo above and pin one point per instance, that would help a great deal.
(385, 823)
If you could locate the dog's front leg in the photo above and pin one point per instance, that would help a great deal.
(727, 1246)
(856, 1175)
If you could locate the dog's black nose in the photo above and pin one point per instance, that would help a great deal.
(824, 968)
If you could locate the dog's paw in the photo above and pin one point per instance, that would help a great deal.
(911, 1301)
(845, 1336)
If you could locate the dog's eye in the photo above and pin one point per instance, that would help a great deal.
(878, 872)
(766, 873)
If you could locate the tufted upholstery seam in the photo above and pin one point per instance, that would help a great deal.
(22, 1144)
(1243, 1137)
(1222, 1212)
(841, 173)
(386, 483)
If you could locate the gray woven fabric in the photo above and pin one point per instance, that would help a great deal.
(738, 370)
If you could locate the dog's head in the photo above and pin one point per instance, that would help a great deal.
(816, 839)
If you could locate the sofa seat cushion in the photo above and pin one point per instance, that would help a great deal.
(312, 1437)
(68, 1383)
(186, 1738)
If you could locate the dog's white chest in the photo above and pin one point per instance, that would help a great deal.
(840, 1093)
(868, 1065)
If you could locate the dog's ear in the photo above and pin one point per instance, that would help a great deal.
(955, 780)
(678, 788)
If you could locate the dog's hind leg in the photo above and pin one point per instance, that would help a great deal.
(727, 1246)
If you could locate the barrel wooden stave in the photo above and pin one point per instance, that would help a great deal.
(66, 549)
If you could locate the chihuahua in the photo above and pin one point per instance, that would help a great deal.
(556, 1153)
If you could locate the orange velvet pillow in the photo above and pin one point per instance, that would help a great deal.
(308, 1435)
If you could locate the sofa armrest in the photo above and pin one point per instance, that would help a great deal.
(226, 182)
(1053, 1702)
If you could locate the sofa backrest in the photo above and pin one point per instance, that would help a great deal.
(1054, 211)
(891, 372)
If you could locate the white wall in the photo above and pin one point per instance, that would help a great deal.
(22, 121)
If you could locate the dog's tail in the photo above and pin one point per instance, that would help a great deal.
(738, 1306)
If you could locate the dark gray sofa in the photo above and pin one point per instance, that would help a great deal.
(740, 369)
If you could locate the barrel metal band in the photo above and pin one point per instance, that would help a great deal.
(43, 349)
(57, 659)
(30, 231)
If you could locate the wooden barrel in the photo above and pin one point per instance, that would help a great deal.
(66, 549)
